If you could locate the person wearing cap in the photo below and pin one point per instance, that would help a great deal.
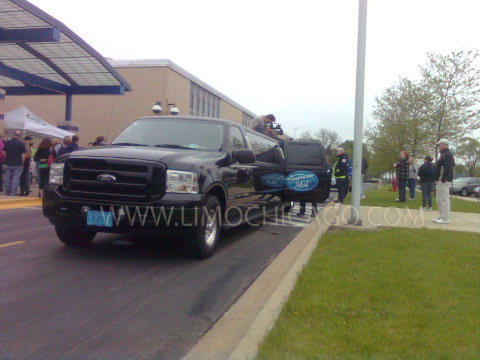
(340, 173)
(444, 178)
(15, 155)
(426, 172)
(259, 124)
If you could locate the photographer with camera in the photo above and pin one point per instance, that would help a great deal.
(263, 125)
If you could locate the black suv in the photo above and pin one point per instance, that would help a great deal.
(180, 174)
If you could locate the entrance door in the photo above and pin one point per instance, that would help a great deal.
(307, 173)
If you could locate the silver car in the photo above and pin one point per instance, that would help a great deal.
(465, 185)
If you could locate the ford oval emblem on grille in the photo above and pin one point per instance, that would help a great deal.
(106, 178)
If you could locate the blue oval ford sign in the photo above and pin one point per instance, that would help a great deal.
(106, 178)
(301, 180)
(273, 180)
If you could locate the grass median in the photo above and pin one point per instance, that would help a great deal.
(389, 294)
(385, 198)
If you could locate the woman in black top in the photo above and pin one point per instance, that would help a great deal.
(427, 179)
(41, 156)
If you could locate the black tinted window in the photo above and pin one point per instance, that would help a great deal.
(188, 133)
(264, 149)
(236, 139)
(305, 154)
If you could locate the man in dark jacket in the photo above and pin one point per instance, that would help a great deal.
(15, 155)
(402, 176)
(427, 179)
(444, 178)
(340, 173)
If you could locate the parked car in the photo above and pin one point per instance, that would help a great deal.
(476, 191)
(465, 185)
(185, 175)
(373, 181)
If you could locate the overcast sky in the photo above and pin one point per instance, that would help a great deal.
(295, 59)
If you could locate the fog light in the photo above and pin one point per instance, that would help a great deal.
(85, 209)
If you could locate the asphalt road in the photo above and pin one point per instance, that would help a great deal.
(122, 297)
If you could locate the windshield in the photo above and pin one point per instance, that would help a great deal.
(173, 133)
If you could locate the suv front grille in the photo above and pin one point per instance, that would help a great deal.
(135, 180)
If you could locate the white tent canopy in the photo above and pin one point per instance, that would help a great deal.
(21, 118)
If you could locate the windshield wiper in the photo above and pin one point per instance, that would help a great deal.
(174, 146)
(129, 144)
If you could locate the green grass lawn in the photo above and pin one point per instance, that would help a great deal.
(383, 197)
(389, 294)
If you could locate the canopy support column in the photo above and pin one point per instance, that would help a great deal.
(68, 107)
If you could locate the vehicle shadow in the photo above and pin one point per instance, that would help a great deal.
(151, 248)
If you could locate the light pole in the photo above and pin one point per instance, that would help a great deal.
(358, 127)
(294, 132)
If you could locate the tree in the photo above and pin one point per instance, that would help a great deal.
(400, 114)
(453, 83)
(329, 138)
(469, 153)
(305, 136)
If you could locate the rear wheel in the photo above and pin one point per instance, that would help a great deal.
(464, 192)
(74, 237)
(204, 238)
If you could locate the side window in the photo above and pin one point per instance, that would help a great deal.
(265, 150)
(236, 139)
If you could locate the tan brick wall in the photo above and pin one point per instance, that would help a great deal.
(230, 112)
(178, 92)
(107, 115)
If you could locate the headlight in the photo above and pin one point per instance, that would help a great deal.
(56, 173)
(182, 182)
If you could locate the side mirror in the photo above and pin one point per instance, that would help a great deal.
(243, 156)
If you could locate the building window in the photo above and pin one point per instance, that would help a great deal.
(246, 120)
(203, 102)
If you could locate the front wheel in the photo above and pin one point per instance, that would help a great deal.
(204, 238)
(74, 237)
(464, 192)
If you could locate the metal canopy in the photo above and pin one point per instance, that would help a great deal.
(40, 55)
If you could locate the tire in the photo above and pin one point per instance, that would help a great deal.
(74, 237)
(464, 192)
(203, 239)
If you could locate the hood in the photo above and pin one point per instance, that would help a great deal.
(174, 158)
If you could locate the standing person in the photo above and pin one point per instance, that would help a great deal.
(427, 178)
(303, 205)
(444, 178)
(66, 143)
(41, 156)
(340, 173)
(15, 154)
(364, 171)
(57, 145)
(74, 145)
(100, 141)
(412, 177)
(402, 167)
(259, 124)
(2, 159)
(25, 176)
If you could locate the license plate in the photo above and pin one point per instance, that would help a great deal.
(99, 218)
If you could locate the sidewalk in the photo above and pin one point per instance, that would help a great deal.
(13, 202)
(374, 217)
(466, 198)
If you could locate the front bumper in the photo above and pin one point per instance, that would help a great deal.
(174, 212)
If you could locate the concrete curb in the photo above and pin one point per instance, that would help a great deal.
(19, 203)
(238, 333)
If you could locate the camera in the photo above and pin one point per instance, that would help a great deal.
(277, 128)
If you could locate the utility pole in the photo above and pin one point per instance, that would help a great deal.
(359, 99)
